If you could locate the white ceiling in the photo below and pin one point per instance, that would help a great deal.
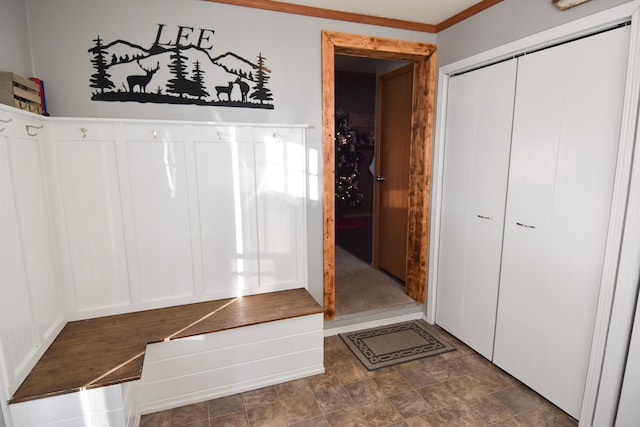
(422, 11)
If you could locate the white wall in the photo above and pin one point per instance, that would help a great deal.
(14, 38)
(507, 21)
(291, 44)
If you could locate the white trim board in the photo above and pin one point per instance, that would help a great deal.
(620, 273)
(372, 324)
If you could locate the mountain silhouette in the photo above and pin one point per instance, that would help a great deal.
(178, 74)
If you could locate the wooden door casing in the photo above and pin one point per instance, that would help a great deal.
(424, 57)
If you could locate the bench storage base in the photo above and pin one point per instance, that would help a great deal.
(190, 370)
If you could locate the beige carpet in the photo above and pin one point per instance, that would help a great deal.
(392, 344)
(361, 288)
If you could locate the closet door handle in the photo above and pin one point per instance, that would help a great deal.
(525, 225)
(485, 217)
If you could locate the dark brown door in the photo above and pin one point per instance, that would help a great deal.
(392, 170)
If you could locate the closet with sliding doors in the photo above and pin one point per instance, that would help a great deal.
(529, 164)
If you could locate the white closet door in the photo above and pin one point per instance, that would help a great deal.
(565, 140)
(478, 135)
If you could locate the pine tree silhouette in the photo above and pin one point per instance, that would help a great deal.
(262, 93)
(198, 82)
(178, 68)
(100, 79)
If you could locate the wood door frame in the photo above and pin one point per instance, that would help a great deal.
(423, 56)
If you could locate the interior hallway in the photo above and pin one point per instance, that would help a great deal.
(361, 288)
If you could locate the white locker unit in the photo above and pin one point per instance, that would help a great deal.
(159, 213)
(542, 293)
(475, 181)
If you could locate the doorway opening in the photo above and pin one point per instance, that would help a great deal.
(422, 56)
(370, 208)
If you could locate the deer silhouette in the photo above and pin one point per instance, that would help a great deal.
(244, 88)
(140, 80)
(224, 89)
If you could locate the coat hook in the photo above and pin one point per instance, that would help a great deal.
(84, 132)
(29, 127)
(155, 133)
(5, 121)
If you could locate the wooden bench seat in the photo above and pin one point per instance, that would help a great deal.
(110, 350)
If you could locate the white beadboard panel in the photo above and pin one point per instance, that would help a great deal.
(36, 234)
(224, 350)
(227, 339)
(160, 206)
(281, 191)
(228, 380)
(230, 357)
(97, 407)
(93, 216)
(227, 208)
(228, 362)
(17, 336)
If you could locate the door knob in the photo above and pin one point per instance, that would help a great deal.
(379, 178)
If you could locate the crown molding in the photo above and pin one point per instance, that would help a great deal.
(467, 13)
(316, 12)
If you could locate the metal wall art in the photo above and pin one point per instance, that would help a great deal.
(178, 69)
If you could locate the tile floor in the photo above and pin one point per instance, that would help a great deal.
(458, 388)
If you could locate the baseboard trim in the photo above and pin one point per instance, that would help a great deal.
(372, 324)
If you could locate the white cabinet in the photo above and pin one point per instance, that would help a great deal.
(476, 164)
(542, 293)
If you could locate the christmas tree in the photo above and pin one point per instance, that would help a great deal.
(347, 189)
